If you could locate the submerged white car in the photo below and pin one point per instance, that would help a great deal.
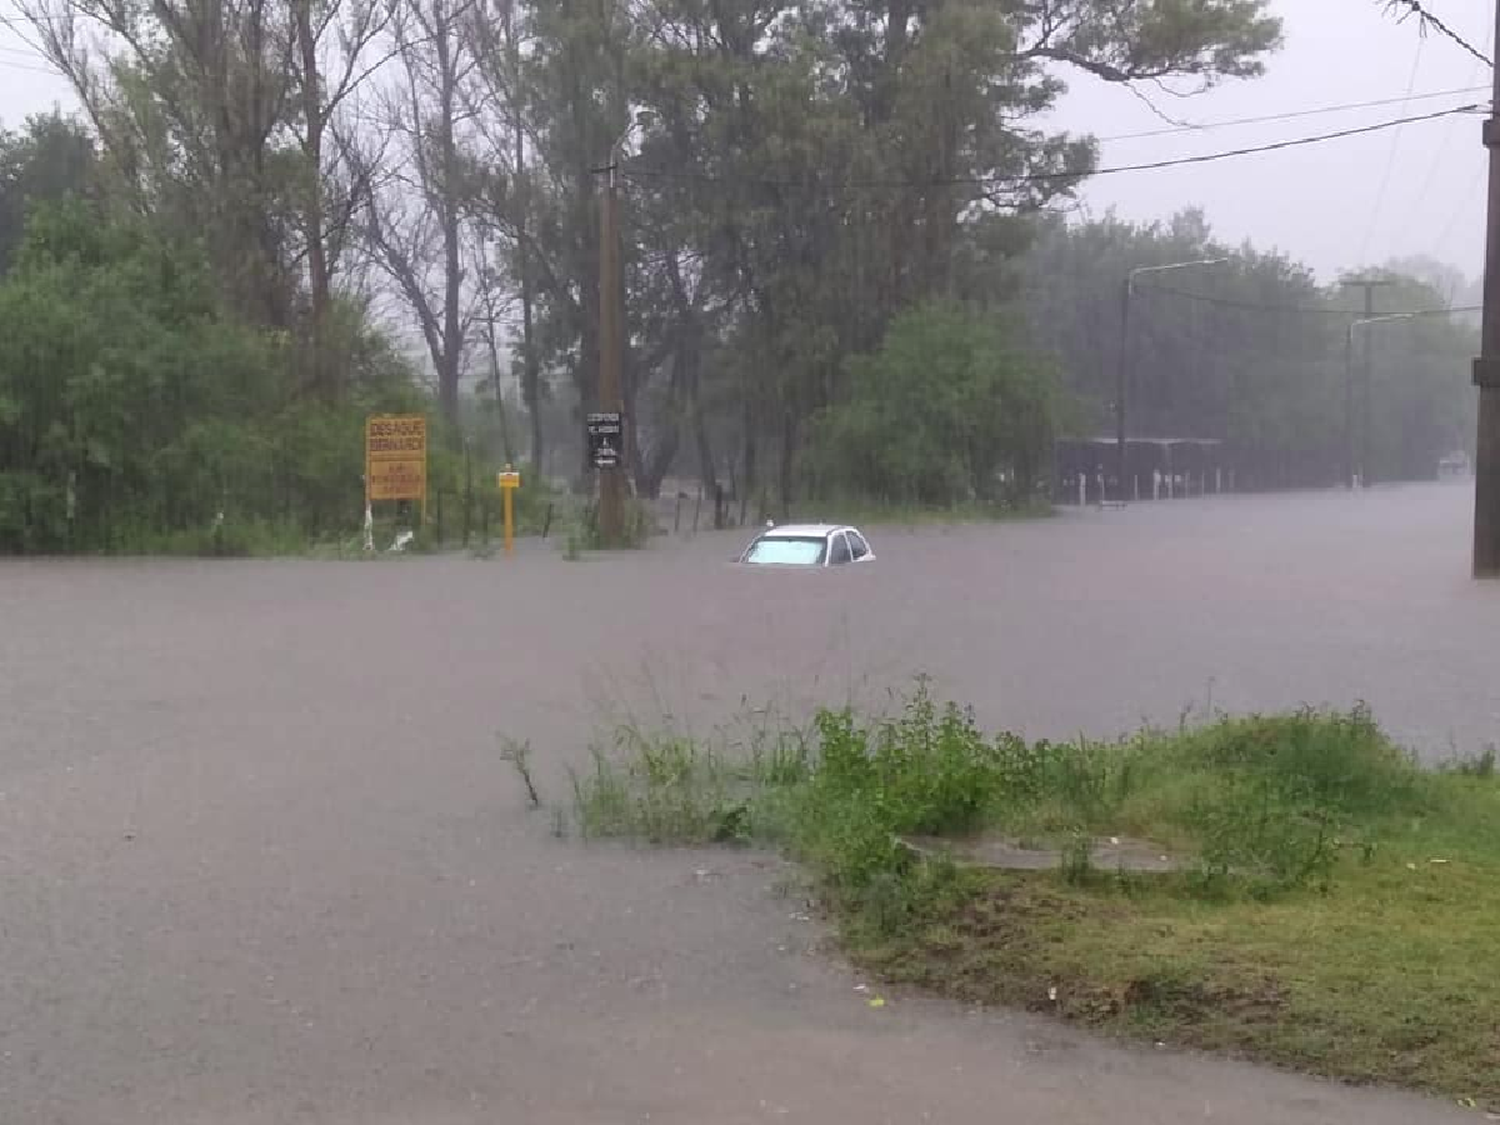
(808, 544)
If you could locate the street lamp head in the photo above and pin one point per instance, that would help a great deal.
(1387, 318)
(1139, 270)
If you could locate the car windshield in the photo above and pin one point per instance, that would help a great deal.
(787, 551)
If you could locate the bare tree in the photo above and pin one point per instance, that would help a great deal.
(214, 116)
(189, 99)
(415, 217)
(330, 59)
(497, 95)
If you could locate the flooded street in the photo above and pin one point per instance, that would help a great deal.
(261, 861)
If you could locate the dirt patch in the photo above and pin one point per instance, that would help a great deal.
(1007, 944)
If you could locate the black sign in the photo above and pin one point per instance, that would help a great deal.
(606, 440)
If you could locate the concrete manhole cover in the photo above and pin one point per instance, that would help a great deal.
(1109, 853)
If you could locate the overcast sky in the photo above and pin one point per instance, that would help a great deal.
(1418, 189)
(1363, 200)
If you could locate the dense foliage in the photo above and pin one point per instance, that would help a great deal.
(132, 407)
(947, 409)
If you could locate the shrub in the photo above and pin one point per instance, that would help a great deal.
(1249, 829)
(1336, 760)
(928, 771)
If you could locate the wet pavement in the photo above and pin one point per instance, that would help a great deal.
(261, 860)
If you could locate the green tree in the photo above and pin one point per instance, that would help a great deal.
(133, 407)
(825, 167)
(51, 159)
(948, 410)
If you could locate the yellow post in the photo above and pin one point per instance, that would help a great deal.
(509, 481)
(510, 524)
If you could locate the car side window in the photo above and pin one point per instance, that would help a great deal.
(858, 545)
(839, 552)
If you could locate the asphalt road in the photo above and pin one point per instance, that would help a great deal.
(261, 862)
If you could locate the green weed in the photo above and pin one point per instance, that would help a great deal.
(1078, 859)
(518, 754)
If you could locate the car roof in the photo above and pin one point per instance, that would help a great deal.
(803, 530)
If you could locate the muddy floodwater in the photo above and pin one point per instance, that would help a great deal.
(261, 862)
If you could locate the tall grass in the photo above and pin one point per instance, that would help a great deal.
(1263, 804)
(672, 786)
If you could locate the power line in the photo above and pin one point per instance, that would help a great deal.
(1436, 162)
(40, 17)
(1458, 212)
(1308, 310)
(1426, 19)
(1390, 162)
(7, 64)
(1044, 177)
(1253, 306)
(1293, 115)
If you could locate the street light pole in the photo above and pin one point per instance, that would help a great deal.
(1364, 458)
(1122, 368)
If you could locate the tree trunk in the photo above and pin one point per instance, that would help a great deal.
(749, 477)
(453, 273)
(320, 372)
(531, 382)
(489, 334)
(708, 469)
(786, 484)
(655, 465)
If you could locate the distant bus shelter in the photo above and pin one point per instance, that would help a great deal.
(1156, 468)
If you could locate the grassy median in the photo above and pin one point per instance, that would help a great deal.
(1313, 898)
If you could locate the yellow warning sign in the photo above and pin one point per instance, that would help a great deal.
(396, 457)
(397, 480)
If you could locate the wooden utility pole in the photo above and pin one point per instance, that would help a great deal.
(611, 344)
(1487, 366)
